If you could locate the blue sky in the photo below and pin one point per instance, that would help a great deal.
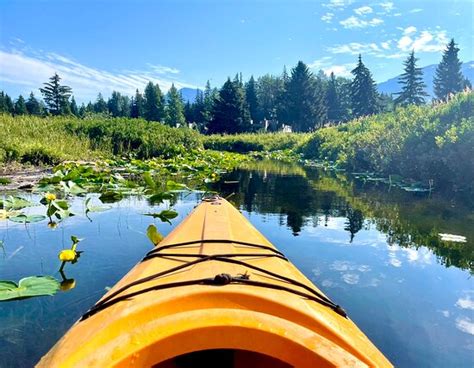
(100, 46)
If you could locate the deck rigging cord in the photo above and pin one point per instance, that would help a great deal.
(217, 280)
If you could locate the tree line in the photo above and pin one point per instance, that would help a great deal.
(300, 99)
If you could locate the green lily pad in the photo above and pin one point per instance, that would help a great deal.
(14, 203)
(28, 287)
(110, 197)
(26, 219)
(165, 215)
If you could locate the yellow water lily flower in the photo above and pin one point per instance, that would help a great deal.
(50, 196)
(68, 255)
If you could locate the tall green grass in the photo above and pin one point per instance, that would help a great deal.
(422, 143)
(50, 140)
(243, 143)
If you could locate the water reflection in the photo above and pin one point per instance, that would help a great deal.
(311, 197)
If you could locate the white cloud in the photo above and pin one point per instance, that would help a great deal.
(354, 22)
(325, 64)
(327, 17)
(416, 10)
(351, 278)
(386, 45)
(354, 48)
(465, 325)
(387, 6)
(424, 41)
(363, 10)
(465, 303)
(338, 4)
(409, 30)
(320, 63)
(34, 68)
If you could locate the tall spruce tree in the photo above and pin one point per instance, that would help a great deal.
(230, 110)
(252, 101)
(174, 108)
(82, 110)
(448, 77)
(56, 96)
(334, 108)
(305, 100)
(20, 106)
(269, 90)
(114, 104)
(413, 87)
(136, 109)
(73, 106)
(363, 91)
(154, 103)
(100, 106)
(209, 99)
(33, 106)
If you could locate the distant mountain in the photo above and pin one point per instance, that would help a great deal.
(189, 94)
(391, 86)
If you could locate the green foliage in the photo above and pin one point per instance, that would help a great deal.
(154, 103)
(448, 78)
(413, 87)
(248, 142)
(363, 91)
(417, 142)
(55, 95)
(174, 109)
(28, 287)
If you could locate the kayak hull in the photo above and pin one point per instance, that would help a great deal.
(249, 322)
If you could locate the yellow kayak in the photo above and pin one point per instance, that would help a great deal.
(214, 293)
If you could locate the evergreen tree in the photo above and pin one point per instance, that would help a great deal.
(90, 108)
(189, 112)
(363, 91)
(124, 106)
(305, 100)
(82, 110)
(73, 105)
(20, 106)
(413, 87)
(209, 99)
(385, 103)
(33, 106)
(230, 112)
(55, 95)
(114, 104)
(100, 106)
(252, 101)
(154, 104)
(448, 77)
(136, 109)
(174, 108)
(269, 91)
(334, 108)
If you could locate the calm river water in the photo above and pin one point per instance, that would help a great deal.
(373, 249)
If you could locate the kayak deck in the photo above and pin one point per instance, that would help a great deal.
(215, 290)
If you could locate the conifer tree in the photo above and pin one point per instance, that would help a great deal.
(9, 107)
(154, 104)
(55, 95)
(73, 106)
(251, 99)
(230, 112)
(174, 108)
(334, 108)
(100, 106)
(209, 98)
(136, 109)
(114, 104)
(448, 77)
(82, 110)
(90, 107)
(363, 91)
(305, 100)
(413, 87)
(33, 106)
(20, 106)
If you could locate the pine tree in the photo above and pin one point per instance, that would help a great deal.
(90, 108)
(33, 106)
(100, 106)
(55, 95)
(73, 105)
(136, 109)
(363, 91)
(82, 110)
(174, 108)
(114, 104)
(413, 87)
(20, 106)
(208, 105)
(448, 77)
(230, 112)
(305, 100)
(9, 106)
(335, 112)
(154, 104)
(252, 101)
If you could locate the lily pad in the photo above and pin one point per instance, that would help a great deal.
(14, 203)
(110, 197)
(28, 287)
(26, 219)
(165, 215)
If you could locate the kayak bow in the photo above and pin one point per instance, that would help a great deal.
(214, 293)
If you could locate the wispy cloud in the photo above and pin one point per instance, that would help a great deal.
(327, 17)
(327, 66)
(338, 4)
(355, 22)
(363, 10)
(416, 10)
(387, 6)
(31, 68)
(424, 41)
